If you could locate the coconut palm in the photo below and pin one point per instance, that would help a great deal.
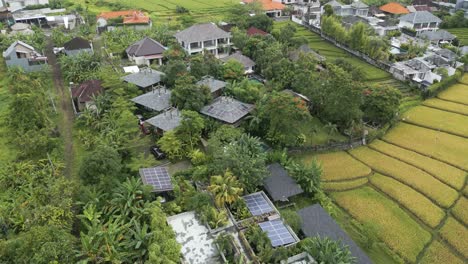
(226, 189)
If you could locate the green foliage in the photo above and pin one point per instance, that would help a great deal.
(205, 64)
(325, 250)
(101, 164)
(281, 114)
(356, 73)
(190, 129)
(245, 158)
(40, 244)
(226, 188)
(84, 66)
(307, 176)
(189, 96)
(436, 88)
(260, 21)
(239, 37)
(37, 39)
(457, 20)
(233, 70)
(171, 145)
(292, 219)
(245, 90)
(59, 37)
(380, 104)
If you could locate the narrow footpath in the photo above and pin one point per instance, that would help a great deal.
(64, 109)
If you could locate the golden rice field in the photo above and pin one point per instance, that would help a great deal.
(440, 193)
(464, 79)
(447, 106)
(394, 227)
(465, 191)
(344, 185)
(438, 120)
(415, 202)
(439, 253)
(460, 210)
(349, 168)
(447, 174)
(455, 234)
(442, 146)
(457, 93)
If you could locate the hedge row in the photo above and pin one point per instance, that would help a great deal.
(436, 88)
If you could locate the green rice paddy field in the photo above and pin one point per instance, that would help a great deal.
(411, 185)
(461, 33)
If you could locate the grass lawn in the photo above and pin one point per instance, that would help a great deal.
(438, 120)
(439, 253)
(348, 168)
(460, 210)
(464, 79)
(165, 11)
(393, 226)
(7, 153)
(445, 147)
(455, 234)
(461, 33)
(458, 93)
(344, 185)
(415, 202)
(318, 134)
(447, 106)
(448, 174)
(421, 181)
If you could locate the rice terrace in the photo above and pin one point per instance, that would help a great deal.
(411, 185)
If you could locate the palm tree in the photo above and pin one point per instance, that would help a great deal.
(226, 189)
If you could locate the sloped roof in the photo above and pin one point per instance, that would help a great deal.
(12, 48)
(394, 8)
(227, 109)
(212, 83)
(238, 56)
(201, 32)
(317, 222)
(166, 121)
(20, 26)
(158, 99)
(252, 31)
(145, 47)
(359, 4)
(446, 53)
(87, 90)
(129, 16)
(420, 17)
(437, 35)
(464, 50)
(144, 78)
(279, 185)
(268, 5)
(334, 3)
(77, 43)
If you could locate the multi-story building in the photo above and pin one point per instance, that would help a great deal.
(206, 37)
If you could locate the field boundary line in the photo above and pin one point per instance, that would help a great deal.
(431, 199)
(375, 149)
(432, 157)
(431, 128)
(350, 179)
(349, 189)
(451, 101)
(440, 108)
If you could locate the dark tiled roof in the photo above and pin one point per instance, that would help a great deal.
(317, 222)
(144, 78)
(420, 17)
(77, 44)
(158, 100)
(145, 47)
(85, 91)
(437, 35)
(279, 185)
(244, 60)
(166, 121)
(201, 32)
(226, 109)
(212, 83)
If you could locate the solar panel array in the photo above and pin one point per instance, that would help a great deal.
(158, 177)
(277, 232)
(257, 204)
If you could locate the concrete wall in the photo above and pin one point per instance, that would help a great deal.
(24, 63)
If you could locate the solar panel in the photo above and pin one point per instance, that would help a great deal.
(257, 204)
(277, 232)
(158, 177)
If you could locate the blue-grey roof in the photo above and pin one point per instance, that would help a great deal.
(158, 99)
(420, 17)
(317, 222)
(238, 56)
(437, 35)
(227, 109)
(212, 83)
(166, 121)
(359, 4)
(145, 78)
(279, 185)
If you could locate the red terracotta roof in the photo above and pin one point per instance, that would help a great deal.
(268, 5)
(252, 31)
(394, 8)
(129, 16)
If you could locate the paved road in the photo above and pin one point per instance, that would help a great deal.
(64, 108)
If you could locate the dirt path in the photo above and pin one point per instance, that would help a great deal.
(64, 108)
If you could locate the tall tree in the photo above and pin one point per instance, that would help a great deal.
(380, 104)
(190, 129)
(226, 188)
(188, 95)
